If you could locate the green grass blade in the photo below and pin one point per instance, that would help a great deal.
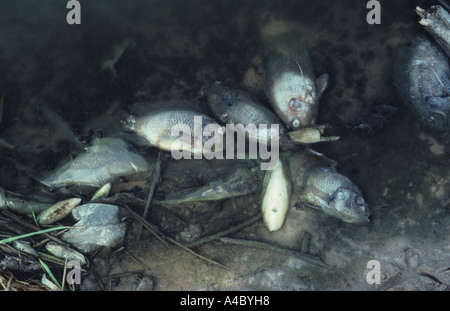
(34, 216)
(47, 269)
(31, 234)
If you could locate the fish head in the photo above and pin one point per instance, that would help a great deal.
(301, 113)
(349, 205)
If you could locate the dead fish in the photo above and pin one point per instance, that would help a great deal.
(106, 160)
(293, 90)
(57, 211)
(321, 187)
(20, 205)
(101, 193)
(25, 247)
(156, 122)
(65, 252)
(50, 285)
(241, 181)
(235, 106)
(422, 79)
(437, 22)
(276, 196)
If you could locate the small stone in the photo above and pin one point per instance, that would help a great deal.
(100, 226)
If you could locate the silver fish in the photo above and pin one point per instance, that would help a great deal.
(232, 106)
(57, 211)
(293, 90)
(240, 181)
(319, 186)
(437, 22)
(65, 252)
(107, 159)
(422, 79)
(20, 205)
(155, 122)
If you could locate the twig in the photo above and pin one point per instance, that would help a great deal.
(306, 257)
(198, 255)
(162, 237)
(218, 235)
(153, 230)
(139, 262)
(156, 174)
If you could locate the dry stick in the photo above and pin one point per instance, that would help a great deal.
(153, 230)
(306, 257)
(161, 237)
(139, 262)
(218, 235)
(55, 235)
(198, 255)
(64, 275)
(156, 174)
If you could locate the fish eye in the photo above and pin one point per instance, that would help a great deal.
(295, 123)
(360, 201)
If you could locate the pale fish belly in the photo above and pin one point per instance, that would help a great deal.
(276, 196)
(289, 86)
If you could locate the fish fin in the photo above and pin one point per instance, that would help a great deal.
(300, 204)
(321, 84)
(322, 158)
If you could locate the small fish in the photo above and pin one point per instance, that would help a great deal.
(106, 160)
(25, 247)
(57, 211)
(319, 186)
(293, 90)
(276, 196)
(65, 252)
(102, 192)
(20, 205)
(437, 22)
(422, 79)
(155, 122)
(241, 181)
(232, 106)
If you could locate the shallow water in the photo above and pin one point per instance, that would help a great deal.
(181, 46)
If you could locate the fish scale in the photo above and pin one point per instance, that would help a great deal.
(155, 126)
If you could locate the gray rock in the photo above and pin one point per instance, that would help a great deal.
(99, 224)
